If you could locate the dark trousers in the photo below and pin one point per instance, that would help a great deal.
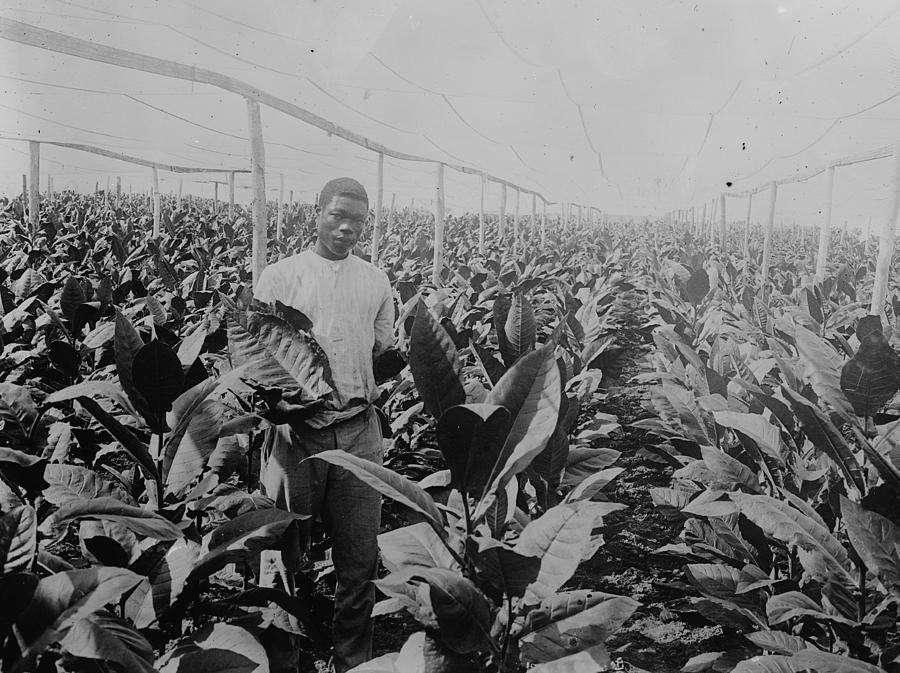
(350, 510)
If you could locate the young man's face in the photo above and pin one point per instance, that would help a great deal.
(340, 224)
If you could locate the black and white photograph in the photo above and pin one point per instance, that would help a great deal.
(449, 336)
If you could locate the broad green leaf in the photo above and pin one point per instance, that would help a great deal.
(772, 663)
(876, 540)
(435, 364)
(72, 482)
(18, 539)
(826, 662)
(577, 632)
(166, 579)
(559, 538)
(503, 567)
(714, 579)
(92, 389)
(551, 461)
(17, 415)
(71, 297)
(63, 598)
(582, 463)
(792, 527)
(778, 642)
(141, 521)
(104, 637)
(470, 437)
(132, 445)
(389, 484)
(557, 607)
(592, 485)
(247, 534)
(218, 648)
(826, 437)
(821, 365)
(415, 545)
(591, 660)
(519, 328)
(872, 376)
(530, 390)
(127, 344)
(23, 469)
(157, 374)
(278, 355)
(792, 604)
(462, 611)
(757, 428)
(729, 470)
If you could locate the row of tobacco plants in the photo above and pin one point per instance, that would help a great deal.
(776, 413)
(138, 382)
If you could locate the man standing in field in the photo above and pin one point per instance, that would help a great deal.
(350, 304)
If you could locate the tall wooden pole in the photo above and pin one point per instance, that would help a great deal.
(481, 217)
(216, 196)
(544, 226)
(533, 213)
(501, 223)
(155, 202)
(279, 212)
(579, 216)
(390, 217)
(379, 199)
(230, 195)
(180, 188)
(886, 244)
(747, 228)
(516, 226)
(258, 181)
(703, 220)
(723, 227)
(825, 229)
(767, 241)
(563, 214)
(438, 226)
(34, 197)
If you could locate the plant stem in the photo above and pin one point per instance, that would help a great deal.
(468, 513)
(861, 605)
(509, 622)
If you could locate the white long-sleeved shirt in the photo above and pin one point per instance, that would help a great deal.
(350, 304)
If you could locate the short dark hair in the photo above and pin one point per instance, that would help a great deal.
(342, 187)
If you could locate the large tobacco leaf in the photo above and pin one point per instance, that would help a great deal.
(216, 648)
(872, 376)
(577, 632)
(463, 613)
(470, 437)
(519, 328)
(388, 483)
(278, 355)
(530, 390)
(821, 365)
(790, 526)
(106, 638)
(136, 519)
(877, 541)
(435, 364)
(18, 539)
(826, 437)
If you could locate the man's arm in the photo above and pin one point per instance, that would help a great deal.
(265, 289)
(384, 320)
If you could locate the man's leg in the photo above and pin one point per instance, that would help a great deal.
(352, 513)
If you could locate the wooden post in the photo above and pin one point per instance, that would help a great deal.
(703, 221)
(886, 244)
(230, 195)
(723, 227)
(291, 197)
(379, 200)
(34, 197)
(515, 231)
(747, 228)
(544, 227)
(438, 226)
(279, 212)
(579, 216)
(868, 244)
(481, 217)
(118, 190)
(180, 187)
(216, 196)
(49, 188)
(258, 180)
(562, 214)
(825, 229)
(501, 223)
(533, 213)
(155, 202)
(767, 241)
(390, 218)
